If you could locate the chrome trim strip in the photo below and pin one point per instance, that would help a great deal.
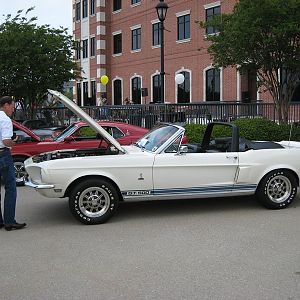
(39, 186)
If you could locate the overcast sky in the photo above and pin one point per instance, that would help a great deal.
(56, 13)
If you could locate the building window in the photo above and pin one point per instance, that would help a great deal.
(84, 48)
(117, 92)
(93, 93)
(93, 46)
(135, 2)
(117, 43)
(156, 38)
(117, 5)
(136, 39)
(213, 85)
(183, 89)
(84, 8)
(78, 93)
(136, 90)
(92, 7)
(183, 27)
(85, 93)
(77, 14)
(210, 13)
(77, 50)
(156, 89)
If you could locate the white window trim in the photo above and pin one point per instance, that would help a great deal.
(117, 32)
(155, 21)
(204, 82)
(135, 27)
(136, 4)
(176, 85)
(183, 41)
(211, 5)
(130, 83)
(113, 90)
(183, 13)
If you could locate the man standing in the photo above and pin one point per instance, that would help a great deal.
(7, 170)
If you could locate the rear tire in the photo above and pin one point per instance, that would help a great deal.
(93, 201)
(277, 189)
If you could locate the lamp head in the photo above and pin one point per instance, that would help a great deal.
(161, 9)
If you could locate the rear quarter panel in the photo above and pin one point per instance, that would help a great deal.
(255, 164)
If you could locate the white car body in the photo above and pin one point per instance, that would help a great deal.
(139, 174)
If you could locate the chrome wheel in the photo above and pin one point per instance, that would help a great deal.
(279, 189)
(94, 202)
(20, 172)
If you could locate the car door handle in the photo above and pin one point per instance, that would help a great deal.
(231, 157)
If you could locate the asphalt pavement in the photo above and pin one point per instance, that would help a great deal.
(228, 248)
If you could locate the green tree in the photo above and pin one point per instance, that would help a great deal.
(33, 59)
(261, 35)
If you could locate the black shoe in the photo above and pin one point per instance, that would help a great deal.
(1, 226)
(14, 226)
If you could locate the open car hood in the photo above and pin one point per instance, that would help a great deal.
(85, 117)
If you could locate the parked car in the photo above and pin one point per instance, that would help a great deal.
(159, 166)
(77, 136)
(25, 133)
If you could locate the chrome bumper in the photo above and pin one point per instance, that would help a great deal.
(39, 186)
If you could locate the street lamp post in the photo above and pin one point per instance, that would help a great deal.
(161, 9)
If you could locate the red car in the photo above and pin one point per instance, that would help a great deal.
(76, 136)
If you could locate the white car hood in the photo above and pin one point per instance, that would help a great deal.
(86, 118)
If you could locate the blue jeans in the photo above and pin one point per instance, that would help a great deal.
(7, 172)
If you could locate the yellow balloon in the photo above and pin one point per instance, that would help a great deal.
(104, 79)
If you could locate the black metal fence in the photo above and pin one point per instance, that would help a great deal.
(148, 115)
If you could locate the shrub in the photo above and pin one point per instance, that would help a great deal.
(259, 129)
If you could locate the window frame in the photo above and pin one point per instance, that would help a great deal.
(84, 9)
(117, 5)
(92, 7)
(158, 37)
(85, 51)
(186, 29)
(136, 38)
(212, 30)
(117, 43)
(92, 46)
(78, 11)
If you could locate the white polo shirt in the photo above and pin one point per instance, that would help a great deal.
(6, 128)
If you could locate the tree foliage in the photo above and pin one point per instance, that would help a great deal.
(262, 35)
(33, 59)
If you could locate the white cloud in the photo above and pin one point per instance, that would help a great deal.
(56, 13)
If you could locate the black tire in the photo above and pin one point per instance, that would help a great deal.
(277, 189)
(93, 201)
(20, 170)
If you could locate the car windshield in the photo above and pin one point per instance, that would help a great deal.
(67, 132)
(156, 137)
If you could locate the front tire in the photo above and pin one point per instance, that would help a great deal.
(93, 201)
(20, 170)
(277, 189)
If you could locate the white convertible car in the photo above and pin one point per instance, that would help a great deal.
(160, 166)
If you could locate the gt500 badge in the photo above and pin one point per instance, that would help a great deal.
(138, 193)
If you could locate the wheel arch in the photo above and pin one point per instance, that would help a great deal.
(280, 169)
(20, 156)
(86, 177)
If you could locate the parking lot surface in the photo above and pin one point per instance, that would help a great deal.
(189, 249)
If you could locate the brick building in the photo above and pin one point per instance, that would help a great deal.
(121, 38)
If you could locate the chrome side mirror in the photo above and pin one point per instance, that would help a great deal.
(183, 149)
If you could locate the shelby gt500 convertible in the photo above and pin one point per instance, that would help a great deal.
(160, 166)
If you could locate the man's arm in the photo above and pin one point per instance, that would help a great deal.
(9, 142)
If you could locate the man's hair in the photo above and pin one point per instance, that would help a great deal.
(5, 99)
